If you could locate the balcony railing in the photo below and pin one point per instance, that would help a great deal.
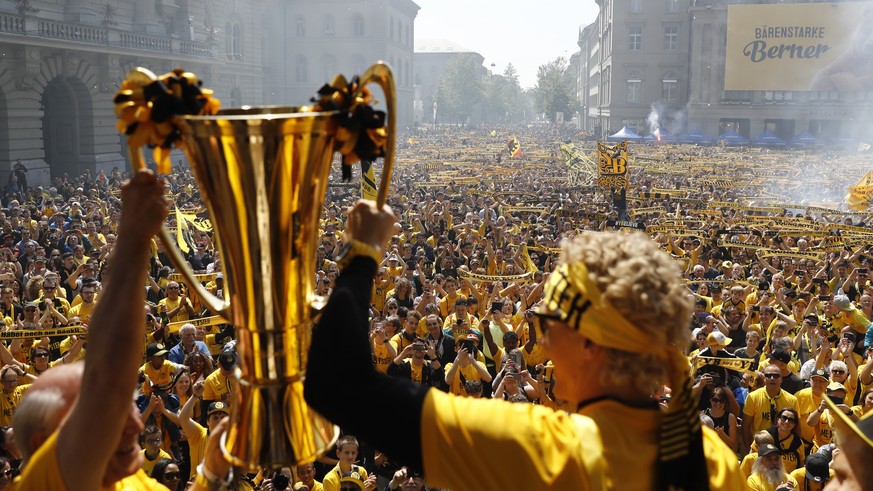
(99, 36)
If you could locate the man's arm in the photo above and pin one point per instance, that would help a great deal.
(115, 344)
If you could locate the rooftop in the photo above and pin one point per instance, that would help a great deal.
(439, 46)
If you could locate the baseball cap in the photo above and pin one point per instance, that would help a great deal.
(780, 355)
(353, 477)
(767, 449)
(843, 302)
(219, 276)
(727, 264)
(717, 338)
(817, 467)
(468, 337)
(821, 372)
(155, 349)
(227, 360)
(218, 407)
(31, 304)
(836, 386)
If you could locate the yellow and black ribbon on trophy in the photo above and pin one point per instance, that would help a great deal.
(149, 107)
(362, 133)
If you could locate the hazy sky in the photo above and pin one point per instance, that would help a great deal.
(525, 33)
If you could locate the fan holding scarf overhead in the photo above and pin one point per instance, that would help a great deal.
(615, 318)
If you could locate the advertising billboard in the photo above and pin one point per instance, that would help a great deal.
(811, 46)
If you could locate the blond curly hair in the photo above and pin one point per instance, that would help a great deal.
(645, 285)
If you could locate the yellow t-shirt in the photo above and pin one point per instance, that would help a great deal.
(854, 318)
(758, 406)
(757, 483)
(182, 314)
(807, 402)
(66, 344)
(83, 310)
(799, 475)
(43, 473)
(157, 376)
(470, 372)
(8, 403)
(447, 305)
(149, 465)
(747, 463)
(332, 479)
(216, 386)
(382, 357)
(197, 446)
(380, 288)
(538, 354)
(316, 486)
(607, 446)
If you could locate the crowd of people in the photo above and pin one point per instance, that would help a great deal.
(779, 283)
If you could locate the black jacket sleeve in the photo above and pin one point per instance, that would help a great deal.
(340, 364)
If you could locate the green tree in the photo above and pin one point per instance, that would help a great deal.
(459, 90)
(554, 89)
(511, 74)
(504, 100)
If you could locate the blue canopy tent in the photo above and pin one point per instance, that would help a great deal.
(731, 137)
(805, 139)
(768, 139)
(695, 136)
(624, 134)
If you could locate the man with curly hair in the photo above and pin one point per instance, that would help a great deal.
(615, 321)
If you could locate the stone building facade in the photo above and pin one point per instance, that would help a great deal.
(61, 62)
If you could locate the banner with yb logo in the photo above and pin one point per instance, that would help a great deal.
(612, 165)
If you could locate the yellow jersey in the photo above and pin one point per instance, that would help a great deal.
(43, 472)
(607, 445)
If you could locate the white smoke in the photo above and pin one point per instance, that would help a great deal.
(653, 119)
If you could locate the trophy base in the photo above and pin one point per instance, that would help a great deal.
(262, 436)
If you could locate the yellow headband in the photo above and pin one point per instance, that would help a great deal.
(572, 297)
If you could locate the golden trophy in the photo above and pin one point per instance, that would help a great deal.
(262, 174)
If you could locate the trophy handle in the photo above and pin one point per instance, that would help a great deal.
(215, 304)
(381, 74)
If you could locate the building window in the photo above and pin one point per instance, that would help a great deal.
(671, 38)
(358, 25)
(329, 25)
(235, 97)
(670, 89)
(301, 27)
(634, 88)
(778, 96)
(300, 70)
(391, 28)
(737, 96)
(236, 46)
(672, 5)
(636, 6)
(636, 39)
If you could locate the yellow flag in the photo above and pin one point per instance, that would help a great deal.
(526, 260)
(183, 234)
(493, 132)
(368, 180)
(860, 194)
